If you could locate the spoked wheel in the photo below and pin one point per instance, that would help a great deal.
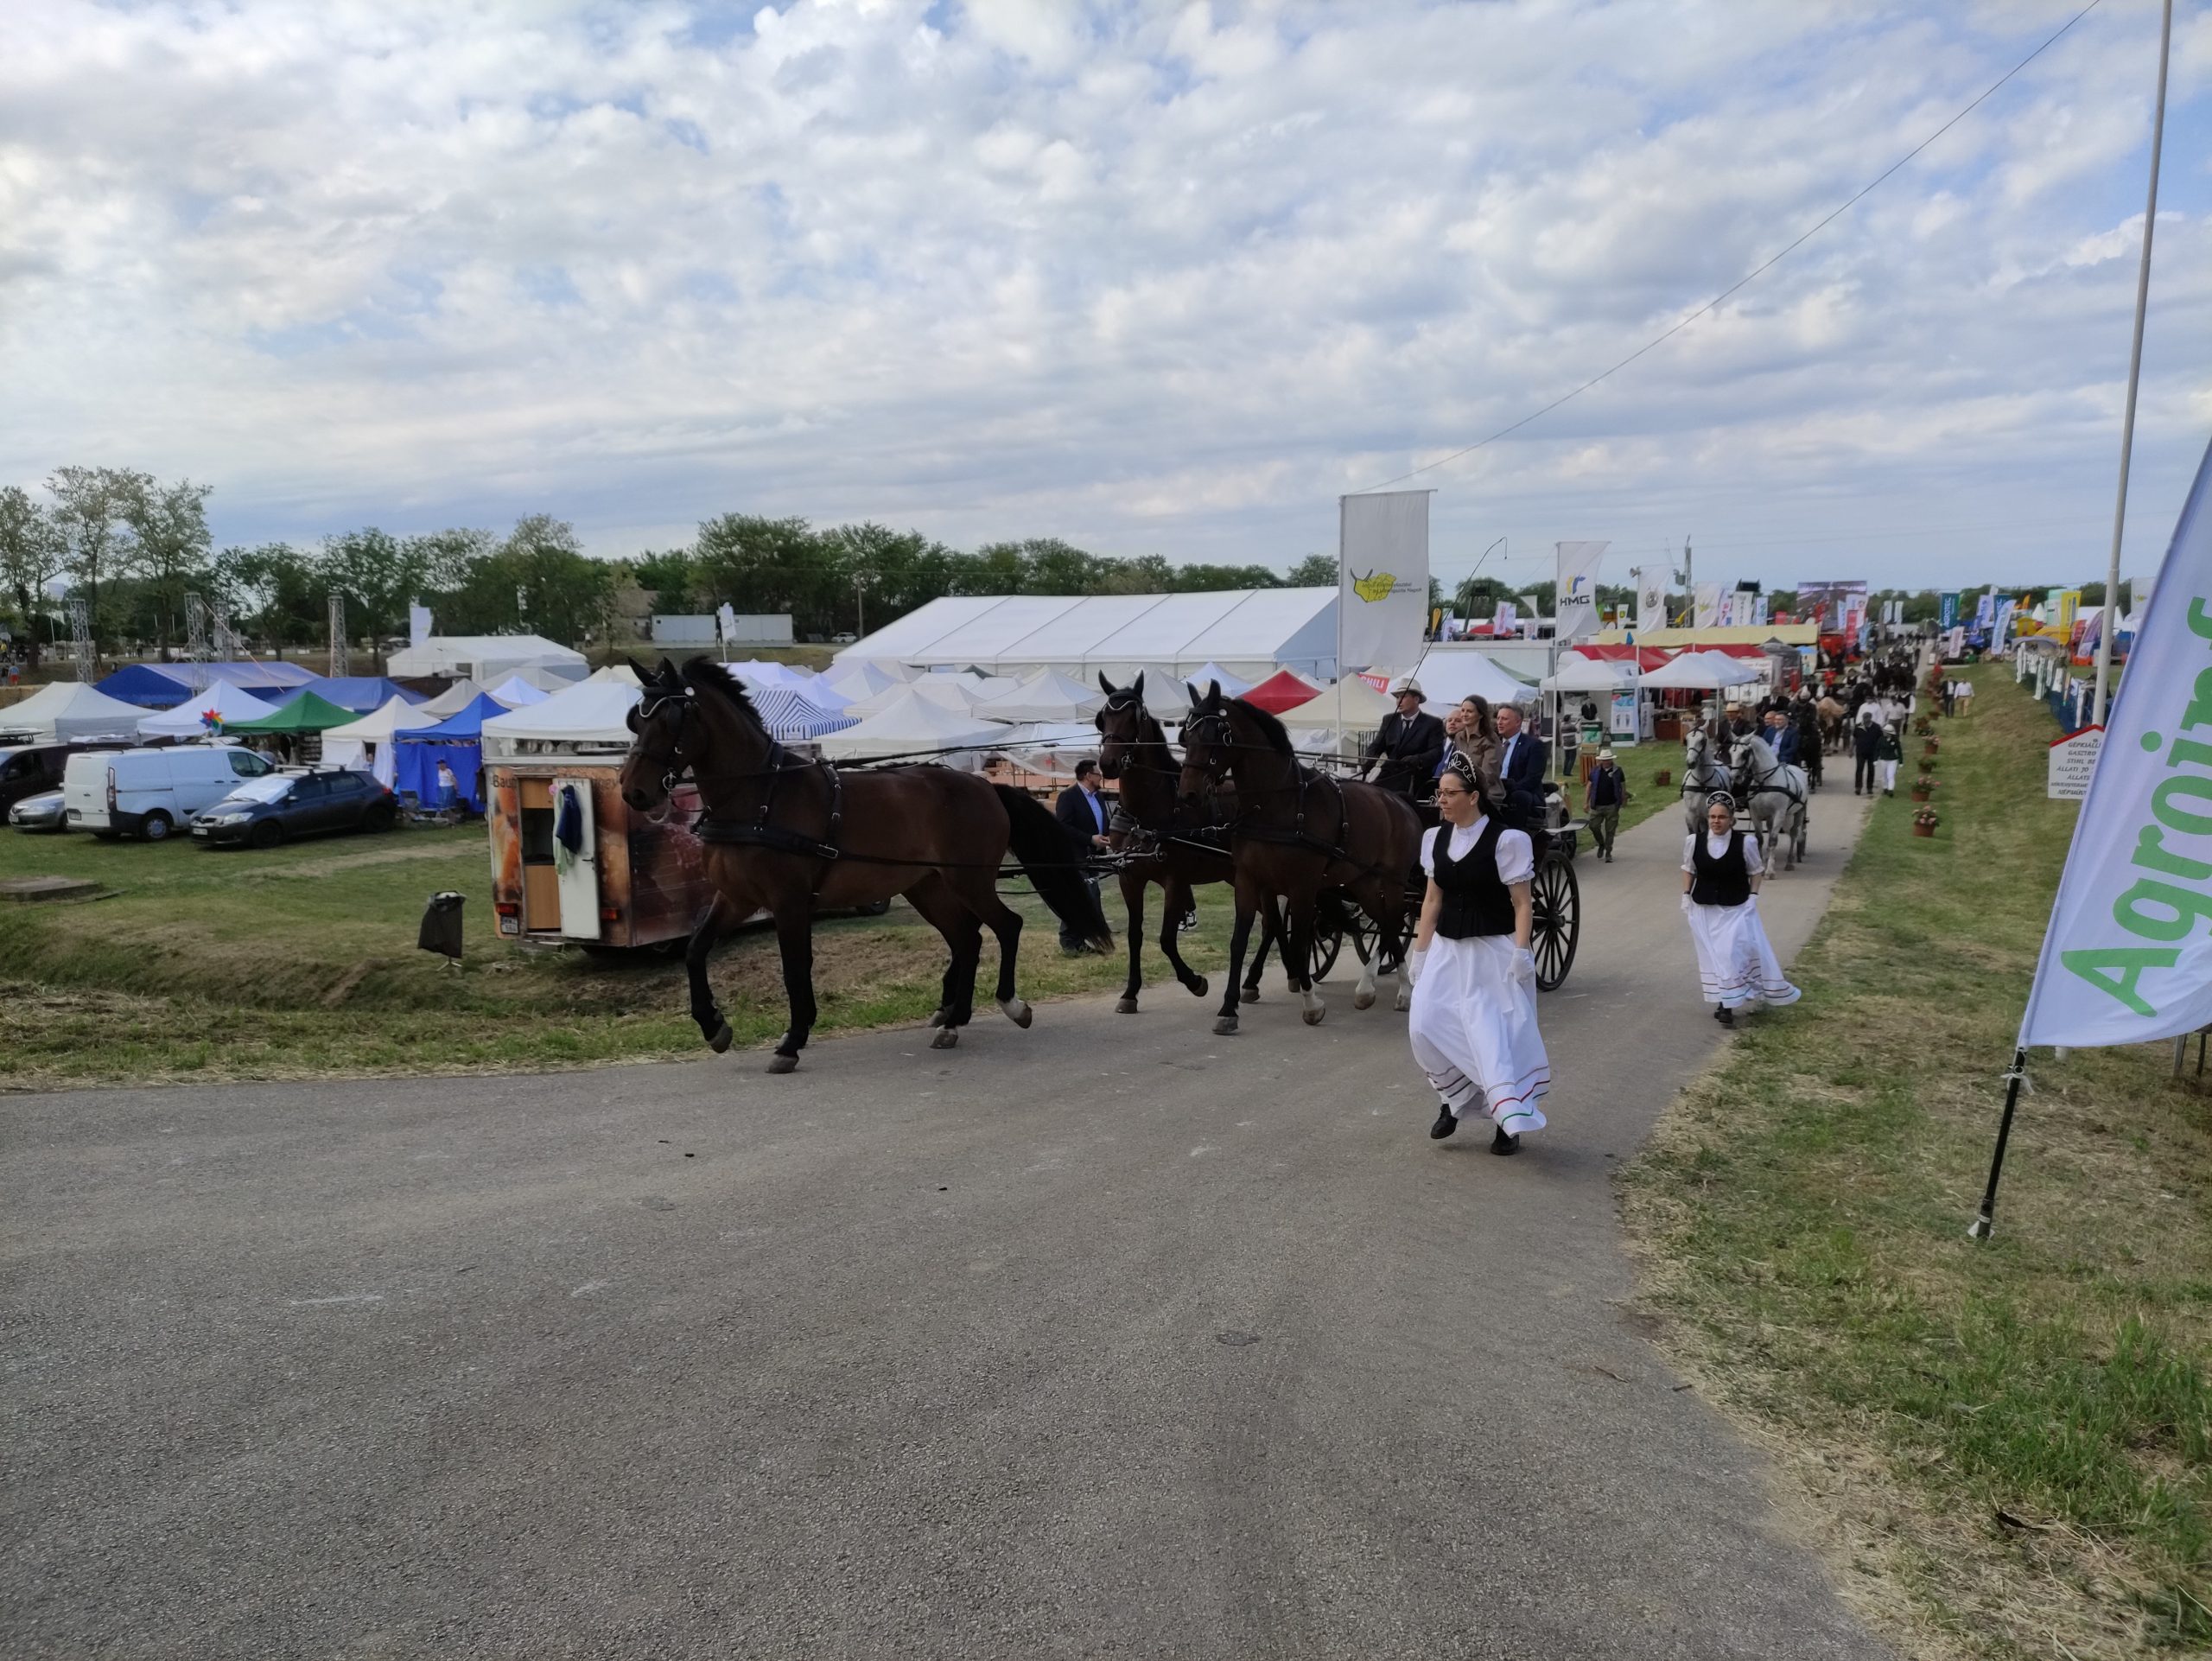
(1366, 938)
(1328, 938)
(1556, 921)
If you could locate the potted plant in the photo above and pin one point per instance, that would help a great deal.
(1924, 820)
(1932, 746)
(1923, 787)
(1922, 726)
(1664, 776)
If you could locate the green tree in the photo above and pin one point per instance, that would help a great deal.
(1314, 571)
(87, 514)
(757, 564)
(668, 577)
(538, 581)
(169, 549)
(31, 554)
(274, 591)
(1203, 577)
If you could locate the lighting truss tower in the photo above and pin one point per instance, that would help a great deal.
(338, 664)
(196, 628)
(225, 646)
(81, 640)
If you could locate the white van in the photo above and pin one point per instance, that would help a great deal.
(151, 793)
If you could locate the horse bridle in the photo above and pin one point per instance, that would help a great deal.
(672, 762)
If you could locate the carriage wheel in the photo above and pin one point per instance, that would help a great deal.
(1366, 936)
(1328, 939)
(1555, 922)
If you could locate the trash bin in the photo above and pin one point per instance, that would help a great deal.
(441, 925)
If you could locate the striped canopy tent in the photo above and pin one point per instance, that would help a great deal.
(791, 717)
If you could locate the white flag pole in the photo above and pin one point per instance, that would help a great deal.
(2134, 374)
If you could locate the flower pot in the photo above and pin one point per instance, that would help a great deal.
(1924, 829)
(1919, 795)
(1664, 776)
(1931, 747)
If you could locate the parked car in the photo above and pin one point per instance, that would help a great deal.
(262, 812)
(43, 811)
(150, 792)
(32, 768)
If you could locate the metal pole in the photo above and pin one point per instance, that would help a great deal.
(2134, 374)
(1984, 1220)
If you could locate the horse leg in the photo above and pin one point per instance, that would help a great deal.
(1133, 887)
(795, 936)
(1301, 948)
(978, 892)
(713, 924)
(1175, 898)
(1272, 938)
(1362, 995)
(1240, 937)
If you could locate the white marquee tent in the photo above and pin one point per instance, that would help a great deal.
(862, 679)
(1700, 672)
(67, 709)
(1248, 631)
(591, 716)
(912, 723)
(1232, 686)
(1047, 696)
(1448, 676)
(221, 696)
(517, 693)
(1577, 673)
(489, 657)
(451, 701)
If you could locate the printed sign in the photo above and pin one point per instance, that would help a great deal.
(2072, 760)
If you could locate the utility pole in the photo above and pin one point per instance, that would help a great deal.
(1689, 582)
(860, 580)
(2127, 422)
(340, 664)
(81, 640)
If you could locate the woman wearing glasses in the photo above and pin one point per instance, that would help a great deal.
(1473, 1022)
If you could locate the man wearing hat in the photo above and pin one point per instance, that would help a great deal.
(1409, 743)
(1603, 798)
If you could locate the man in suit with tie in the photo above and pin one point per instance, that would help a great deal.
(1520, 765)
(1083, 814)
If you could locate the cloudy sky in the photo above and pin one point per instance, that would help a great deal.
(1154, 277)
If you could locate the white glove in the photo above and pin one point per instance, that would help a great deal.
(1686, 902)
(1524, 965)
(1416, 961)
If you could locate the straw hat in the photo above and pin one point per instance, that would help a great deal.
(1604, 755)
(1406, 686)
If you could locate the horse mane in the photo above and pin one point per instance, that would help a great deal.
(1273, 733)
(710, 679)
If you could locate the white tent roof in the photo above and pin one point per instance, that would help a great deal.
(1052, 747)
(451, 701)
(964, 695)
(1700, 672)
(911, 723)
(1363, 707)
(69, 710)
(1448, 676)
(862, 679)
(1233, 686)
(592, 713)
(485, 656)
(184, 722)
(1247, 631)
(379, 724)
(1047, 695)
(1577, 673)
(622, 673)
(516, 693)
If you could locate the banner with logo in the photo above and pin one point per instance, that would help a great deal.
(1382, 578)
(2128, 955)
(1706, 613)
(1947, 610)
(1575, 610)
(2002, 624)
(418, 625)
(1651, 601)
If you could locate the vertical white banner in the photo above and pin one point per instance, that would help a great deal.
(418, 625)
(2128, 955)
(1503, 620)
(1706, 612)
(1381, 579)
(1575, 610)
(1651, 601)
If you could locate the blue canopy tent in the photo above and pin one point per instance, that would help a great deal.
(458, 741)
(362, 693)
(165, 685)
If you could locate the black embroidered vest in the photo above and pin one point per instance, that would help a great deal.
(1726, 880)
(1475, 901)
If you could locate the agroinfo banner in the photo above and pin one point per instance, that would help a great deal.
(2128, 956)
(1381, 579)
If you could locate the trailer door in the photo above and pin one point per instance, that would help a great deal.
(579, 882)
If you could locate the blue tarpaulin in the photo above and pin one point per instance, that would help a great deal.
(463, 725)
(456, 741)
(363, 693)
(165, 685)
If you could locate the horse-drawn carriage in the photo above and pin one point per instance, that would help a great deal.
(1554, 903)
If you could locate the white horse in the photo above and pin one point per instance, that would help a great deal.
(1702, 775)
(1777, 796)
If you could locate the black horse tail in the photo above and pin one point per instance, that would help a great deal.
(1041, 847)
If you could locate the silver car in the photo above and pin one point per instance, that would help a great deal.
(40, 812)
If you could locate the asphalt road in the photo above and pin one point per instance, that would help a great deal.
(1111, 1338)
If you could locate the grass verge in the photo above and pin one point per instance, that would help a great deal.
(2008, 1446)
(302, 961)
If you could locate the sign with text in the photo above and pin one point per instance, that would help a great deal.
(2072, 760)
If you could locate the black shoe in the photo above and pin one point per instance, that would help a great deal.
(1725, 1016)
(1189, 921)
(1446, 1122)
(1502, 1144)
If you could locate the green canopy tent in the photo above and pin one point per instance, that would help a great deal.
(308, 713)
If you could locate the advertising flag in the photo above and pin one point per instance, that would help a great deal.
(1382, 578)
(1708, 612)
(1651, 601)
(418, 625)
(2128, 955)
(1949, 610)
(1576, 608)
(1503, 620)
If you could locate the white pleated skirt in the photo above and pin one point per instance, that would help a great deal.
(1474, 1032)
(1735, 965)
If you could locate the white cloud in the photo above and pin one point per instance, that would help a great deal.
(1151, 277)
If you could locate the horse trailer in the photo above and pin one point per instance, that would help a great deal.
(570, 864)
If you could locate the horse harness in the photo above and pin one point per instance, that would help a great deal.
(1296, 836)
(760, 833)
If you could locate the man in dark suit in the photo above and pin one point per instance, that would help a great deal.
(1409, 743)
(1083, 814)
(1521, 763)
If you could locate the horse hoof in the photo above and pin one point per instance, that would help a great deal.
(1199, 988)
(781, 1063)
(1018, 1011)
(946, 1038)
(1313, 1017)
(938, 1017)
(1250, 994)
(1126, 1007)
(1225, 1028)
(1405, 1003)
(721, 1039)
(1362, 1000)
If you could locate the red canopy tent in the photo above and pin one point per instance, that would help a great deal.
(1281, 690)
(1645, 657)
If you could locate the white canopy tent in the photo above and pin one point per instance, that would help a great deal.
(451, 701)
(1047, 695)
(67, 709)
(1232, 685)
(490, 657)
(1448, 676)
(517, 693)
(371, 736)
(592, 714)
(1577, 673)
(1700, 672)
(187, 719)
(958, 695)
(1052, 747)
(859, 679)
(620, 672)
(910, 724)
(1352, 704)
(1248, 632)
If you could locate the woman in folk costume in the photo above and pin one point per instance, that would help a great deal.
(1721, 872)
(1473, 1022)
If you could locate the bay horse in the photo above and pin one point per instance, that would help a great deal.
(1172, 845)
(784, 835)
(1299, 831)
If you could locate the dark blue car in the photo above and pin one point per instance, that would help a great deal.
(263, 812)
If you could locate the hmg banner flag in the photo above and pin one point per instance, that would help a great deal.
(1381, 579)
(2128, 955)
(1575, 610)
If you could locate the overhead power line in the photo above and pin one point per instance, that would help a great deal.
(1757, 271)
